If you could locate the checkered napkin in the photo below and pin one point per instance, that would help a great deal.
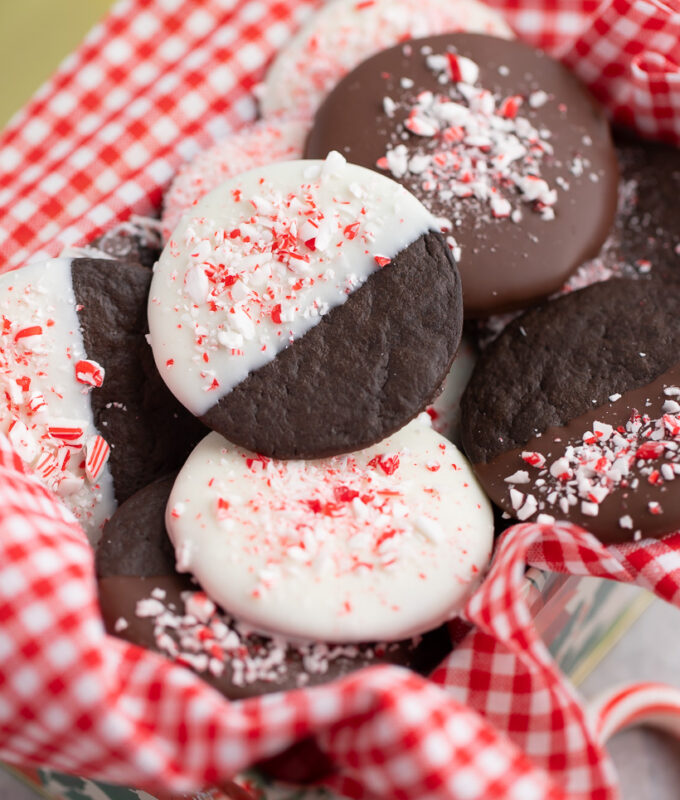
(152, 85)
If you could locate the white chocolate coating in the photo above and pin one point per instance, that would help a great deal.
(445, 409)
(257, 144)
(344, 33)
(261, 259)
(40, 345)
(382, 544)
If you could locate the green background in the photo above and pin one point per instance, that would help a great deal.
(35, 35)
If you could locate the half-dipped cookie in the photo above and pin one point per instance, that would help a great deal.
(306, 309)
(147, 602)
(83, 404)
(500, 142)
(574, 411)
(342, 33)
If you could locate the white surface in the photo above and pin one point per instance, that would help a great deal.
(378, 545)
(648, 761)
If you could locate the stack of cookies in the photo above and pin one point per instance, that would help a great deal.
(259, 433)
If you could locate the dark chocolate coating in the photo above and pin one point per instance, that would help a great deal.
(367, 368)
(566, 357)
(549, 376)
(631, 502)
(148, 431)
(134, 557)
(504, 265)
(645, 239)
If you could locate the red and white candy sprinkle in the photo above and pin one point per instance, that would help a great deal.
(604, 460)
(202, 637)
(464, 142)
(89, 373)
(44, 375)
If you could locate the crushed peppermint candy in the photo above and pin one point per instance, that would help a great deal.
(43, 374)
(464, 141)
(209, 641)
(89, 372)
(309, 500)
(588, 470)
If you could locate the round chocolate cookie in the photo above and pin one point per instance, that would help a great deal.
(148, 431)
(306, 309)
(573, 412)
(505, 147)
(145, 601)
(83, 405)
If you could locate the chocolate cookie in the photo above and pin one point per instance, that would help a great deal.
(648, 225)
(505, 147)
(645, 238)
(83, 404)
(148, 431)
(573, 412)
(145, 601)
(306, 309)
(136, 241)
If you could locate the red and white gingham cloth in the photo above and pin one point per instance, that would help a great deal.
(161, 79)
(157, 81)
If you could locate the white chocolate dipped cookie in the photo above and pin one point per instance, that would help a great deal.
(381, 544)
(46, 380)
(345, 32)
(82, 404)
(254, 145)
(305, 308)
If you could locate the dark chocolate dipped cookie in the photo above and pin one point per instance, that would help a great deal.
(573, 412)
(145, 601)
(306, 309)
(505, 147)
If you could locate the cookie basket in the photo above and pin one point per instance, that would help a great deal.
(151, 86)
